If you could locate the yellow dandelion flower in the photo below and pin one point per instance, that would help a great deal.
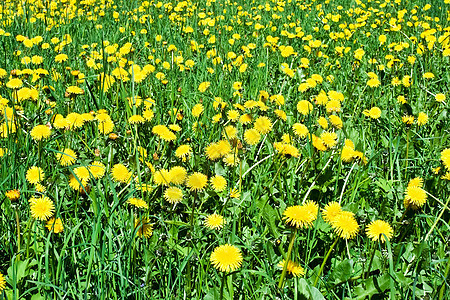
(97, 169)
(120, 173)
(137, 202)
(41, 208)
(183, 152)
(177, 175)
(173, 195)
(204, 86)
(197, 110)
(161, 177)
(214, 221)
(329, 139)
(304, 107)
(55, 225)
(445, 157)
(226, 258)
(35, 175)
(66, 157)
(219, 183)
(300, 130)
(331, 211)
(318, 143)
(293, 268)
(143, 227)
(263, 125)
(196, 181)
(164, 133)
(336, 121)
(82, 173)
(13, 195)
(40, 132)
(2, 282)
(252, 136)
(415, 196)
(301, 216)
(377, 228)
(373, 113)
(345, 225)
(422, 119)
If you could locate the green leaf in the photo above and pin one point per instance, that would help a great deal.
(343, 271)
(372, 286)
(308, 291)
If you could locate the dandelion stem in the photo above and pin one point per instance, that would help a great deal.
(18, 234)
(324, 261)
(222, 286)
(288, 257)
(370, 262)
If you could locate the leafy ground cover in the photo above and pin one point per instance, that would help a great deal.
(224, 149)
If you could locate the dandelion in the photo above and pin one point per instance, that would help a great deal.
(196, 181)
(161, 177)
(214, 221)
(226, 258)
(331, 211)
(143, 227)
(40, 132)
(204, 86)
(97, 169)
(300, 130)
(445, 157)
(2, 282)
(329, 139)
(263, 125)
(55, 225)
(218, 183)
(66, 157)
(440, 97)
(292, 267)
(164, 133)
(41, 208)
(14, 83)
(377, 229)
(197, 110)
(120, 173)
(304, 107)
(82, 174)
(177, 175)
(35, 175)
(173, 195)
(137, 202)
(415, 197)
(345, 225)
(373, 113)
(12, 195)
(301, 216)
(183, 152)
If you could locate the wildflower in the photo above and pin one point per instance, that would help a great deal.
(177, 175)
(197, 110)
(173, 195)
(41, 208)
(97, 169)
(74, 90)
(161, 177)
(377, 230)
(439, 97)
(322, 122)
(214, 221)
(415, 197)
(422, 119)
(293, 268)
(204, 86)
(263, 125)
(329, 138)
(143, 227)
(318, 143)
(286, 150)
(66, 157)
(183, 152)
(2, 282)
(301, 216)
(226, 258)
(82, 174)
(252, 136)
(137, 202)
(345, 225)
(231, 160)
(12, 195)
(55, 225)
(164, 133)
(336, 121)
(304, 107)
(408, 120)
(40, 132)
(136, 119)
(235, 193)
(35, 175)
(196, 181)
(218, 183)
(300, 129)
(445, 157)
(373, 113)
(120, 173)
(14, 83)
(331, 211)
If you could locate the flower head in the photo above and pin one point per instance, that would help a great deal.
(40, 132)
(55, 225)
(143, 227)
(41, 208)
(137, 202)
(226, 258)
(35, 175)
(301, 216)
(214, 221)
(2, 282)
(196, 181)
(377, 230)
(331, 211)
(294, 268)
(120, 173)
(345, 225)
(66, 157)
(173, 195)
(13, 195)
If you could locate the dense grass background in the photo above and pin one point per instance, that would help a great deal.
(98, 255)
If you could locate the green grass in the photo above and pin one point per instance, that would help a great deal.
(99, 254)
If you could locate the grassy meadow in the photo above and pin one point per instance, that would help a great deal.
(293, 149)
